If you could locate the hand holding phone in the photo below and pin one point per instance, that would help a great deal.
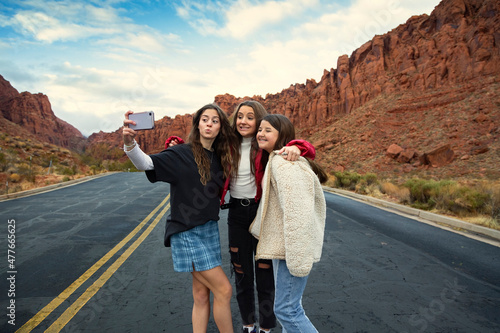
(143, 120)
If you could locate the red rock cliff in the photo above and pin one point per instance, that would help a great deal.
(34, 114)
(457, 43)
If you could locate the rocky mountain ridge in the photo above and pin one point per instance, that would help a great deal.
(31, 115)
(423, 95)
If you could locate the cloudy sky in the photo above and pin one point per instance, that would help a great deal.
(97, 59)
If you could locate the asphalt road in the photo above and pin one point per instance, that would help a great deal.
(90, 258)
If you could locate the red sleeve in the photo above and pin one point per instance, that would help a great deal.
(173, 137)
(306, 149)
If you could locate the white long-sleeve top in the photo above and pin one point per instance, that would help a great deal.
(140, 159)
(243, 185)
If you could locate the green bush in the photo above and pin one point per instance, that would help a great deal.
(354, 181)
(370, 178)
(446, 195)
(68, 171)
(422, 190)
(459, 199)
(347, 180)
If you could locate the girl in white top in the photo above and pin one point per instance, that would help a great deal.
(245, 190)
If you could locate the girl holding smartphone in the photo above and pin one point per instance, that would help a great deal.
(196, 176)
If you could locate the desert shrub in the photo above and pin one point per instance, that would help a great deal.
(401, 193)
(447, 196)
(68, 171)
(370, 178)
(23, 168)
(492, 205)
(20, 144)
(365, 184)
(460, 199)
(347, 180)
(15, 178)
(423, 192)
(354, 181)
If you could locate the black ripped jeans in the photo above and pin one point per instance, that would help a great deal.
(242, 247)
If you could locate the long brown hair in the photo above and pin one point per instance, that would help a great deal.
(286, 133)
(221, 144)
(259, 112)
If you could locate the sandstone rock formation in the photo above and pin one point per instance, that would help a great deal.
(430, 82)
(438, 157)
(457, 43)
(33, 113)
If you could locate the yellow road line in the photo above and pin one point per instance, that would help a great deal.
(70, 312)
(47, 310)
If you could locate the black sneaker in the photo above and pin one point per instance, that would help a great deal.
(247, 330)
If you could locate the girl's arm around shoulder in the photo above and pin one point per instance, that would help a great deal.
(306, 148)
(296, 148)
(172, 141)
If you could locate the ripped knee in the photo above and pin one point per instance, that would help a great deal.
(235, 258)
(263, 265)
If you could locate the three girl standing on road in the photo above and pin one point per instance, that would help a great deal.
(244, 164)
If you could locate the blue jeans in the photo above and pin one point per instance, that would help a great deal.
(288, 300)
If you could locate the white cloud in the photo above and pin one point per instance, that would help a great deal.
(165, 90)
(244, 18)
(316, 44)
(49, 29)
(350, 27)
(53, 21)
(250, 47)
(146, 42)
(241, 18)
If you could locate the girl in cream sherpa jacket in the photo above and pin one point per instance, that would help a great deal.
(290, 220)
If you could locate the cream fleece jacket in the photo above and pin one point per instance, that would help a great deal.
(290, 220)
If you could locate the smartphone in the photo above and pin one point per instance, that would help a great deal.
(144, 120)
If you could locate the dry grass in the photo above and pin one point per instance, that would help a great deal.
(473, 201)
(485, 221)
(400, 193)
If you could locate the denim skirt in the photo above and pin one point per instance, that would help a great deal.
(198, 247)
